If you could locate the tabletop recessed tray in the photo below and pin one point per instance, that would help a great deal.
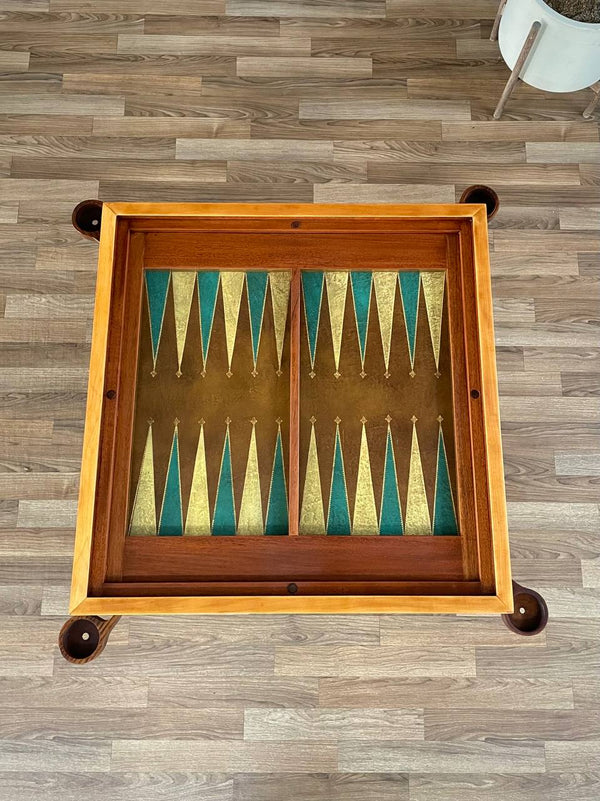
(292, 408)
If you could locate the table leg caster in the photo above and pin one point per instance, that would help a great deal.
(87, 218)
(478, 193)
(83, 638)
(531, 612)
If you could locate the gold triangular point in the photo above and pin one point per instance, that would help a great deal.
(251, 519)
(337, 289)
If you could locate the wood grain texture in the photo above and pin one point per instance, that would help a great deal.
(70, 91)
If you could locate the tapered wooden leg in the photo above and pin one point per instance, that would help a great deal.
(514, 76)
(531, 612)
(588, 113)
(82, 639)
(494, 33)
(87, 218)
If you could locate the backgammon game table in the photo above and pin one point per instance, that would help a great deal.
(291, 409)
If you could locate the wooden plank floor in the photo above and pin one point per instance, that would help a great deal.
(296, 100)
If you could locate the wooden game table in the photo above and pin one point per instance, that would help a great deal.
(291, 409)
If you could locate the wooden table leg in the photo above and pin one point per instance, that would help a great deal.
(83, 638)
(514, 76)
(87, 218)
(531, 612)
(494, 33)
(588, 113)
(479, 193)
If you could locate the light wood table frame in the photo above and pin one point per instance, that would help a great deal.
(113, 574)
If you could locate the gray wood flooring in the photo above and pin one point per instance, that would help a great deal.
(296, 100)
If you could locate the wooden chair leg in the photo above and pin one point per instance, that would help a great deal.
(589, 111)
(83, 638)
(494, 33)
(514, 76)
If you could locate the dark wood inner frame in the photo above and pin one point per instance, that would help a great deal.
(127, 566)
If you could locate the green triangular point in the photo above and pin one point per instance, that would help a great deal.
(444, 516)
(338, 519)
(171, 517)
(312, 285)
(224, 516)
(409, 290)
(257, 292)
(390, 522)
(361, 292)
(208, 285)
(157, 286)
(277, 511)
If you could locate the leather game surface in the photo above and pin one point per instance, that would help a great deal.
(211, 426)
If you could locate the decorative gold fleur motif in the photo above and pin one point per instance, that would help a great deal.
(363, 419)
(413, 419)
(313, 420)
(388, 418)
(337, 421)
(312, 374)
